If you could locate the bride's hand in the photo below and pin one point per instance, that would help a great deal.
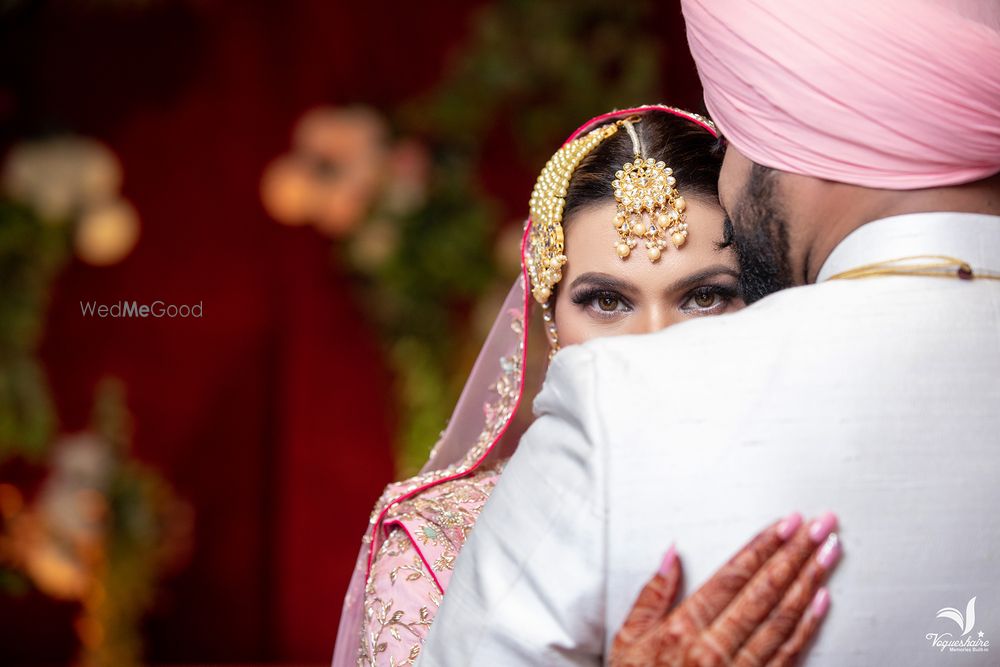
(760, 609)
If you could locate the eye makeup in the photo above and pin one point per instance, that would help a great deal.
(606, 298)
(718, 296)
(601, 303)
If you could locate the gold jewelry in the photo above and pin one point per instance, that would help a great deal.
(550, 328)
(546, 257)
(649, 207)
(933, 266)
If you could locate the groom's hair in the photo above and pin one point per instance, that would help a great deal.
(686, 147)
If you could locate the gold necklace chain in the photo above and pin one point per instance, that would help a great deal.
(933, 266)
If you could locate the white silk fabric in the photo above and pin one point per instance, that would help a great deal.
(876, 398)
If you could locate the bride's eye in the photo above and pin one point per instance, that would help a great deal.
(602, 303)
(608, 304)
(708, 299)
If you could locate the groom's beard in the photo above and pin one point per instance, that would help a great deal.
(760, 237)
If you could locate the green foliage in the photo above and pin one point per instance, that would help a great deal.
(534, 70)
(146, 533)
(31, 254)
(548, 64)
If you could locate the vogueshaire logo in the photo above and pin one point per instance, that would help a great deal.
(966, 642)
(125, 309)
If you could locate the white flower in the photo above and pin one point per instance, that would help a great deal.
(60, 176)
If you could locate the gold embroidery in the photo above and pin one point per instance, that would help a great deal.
(444, 517)
(381, 617)
(446, 511)
(497, 415)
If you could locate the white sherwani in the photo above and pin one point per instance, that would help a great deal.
(877, 398)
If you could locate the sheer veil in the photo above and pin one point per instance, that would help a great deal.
(482, 426)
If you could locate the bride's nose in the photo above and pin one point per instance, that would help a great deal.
(655, 318)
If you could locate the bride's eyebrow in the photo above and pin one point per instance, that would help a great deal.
(687, 282)
(603, 281)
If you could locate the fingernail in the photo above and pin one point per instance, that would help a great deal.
(829, 553)
(668, 560)
(789, 525)
(820, 603)
(822, 527)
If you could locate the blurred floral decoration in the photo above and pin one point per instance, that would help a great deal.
(403, 191)
(57, 196)
(102, 528)
(101, 531)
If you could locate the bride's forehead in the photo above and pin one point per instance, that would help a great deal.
(595, 225)
(591, 222)
(591, 238)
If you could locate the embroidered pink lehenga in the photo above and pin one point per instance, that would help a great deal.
(419, 525)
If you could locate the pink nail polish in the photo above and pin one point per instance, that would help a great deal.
(669, 559)
(830, 552)
(820, 603)
(822, 527)
(789, 525)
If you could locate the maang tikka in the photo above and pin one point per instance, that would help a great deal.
(649, 207)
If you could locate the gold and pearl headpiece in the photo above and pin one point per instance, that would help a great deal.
(649, 207)
(546, 257)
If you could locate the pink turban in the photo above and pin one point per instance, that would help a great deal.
(897, 94)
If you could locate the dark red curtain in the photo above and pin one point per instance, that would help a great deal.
(271, 415)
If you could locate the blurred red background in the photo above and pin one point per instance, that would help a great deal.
(272, 414)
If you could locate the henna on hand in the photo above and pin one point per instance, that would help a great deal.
(761, 608)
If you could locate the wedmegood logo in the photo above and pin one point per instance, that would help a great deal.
(964, 642)
(130, 309)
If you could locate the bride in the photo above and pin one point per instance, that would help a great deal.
(625, 236)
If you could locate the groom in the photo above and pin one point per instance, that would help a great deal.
(861, 173)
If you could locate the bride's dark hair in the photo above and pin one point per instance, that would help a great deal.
(686, 147)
